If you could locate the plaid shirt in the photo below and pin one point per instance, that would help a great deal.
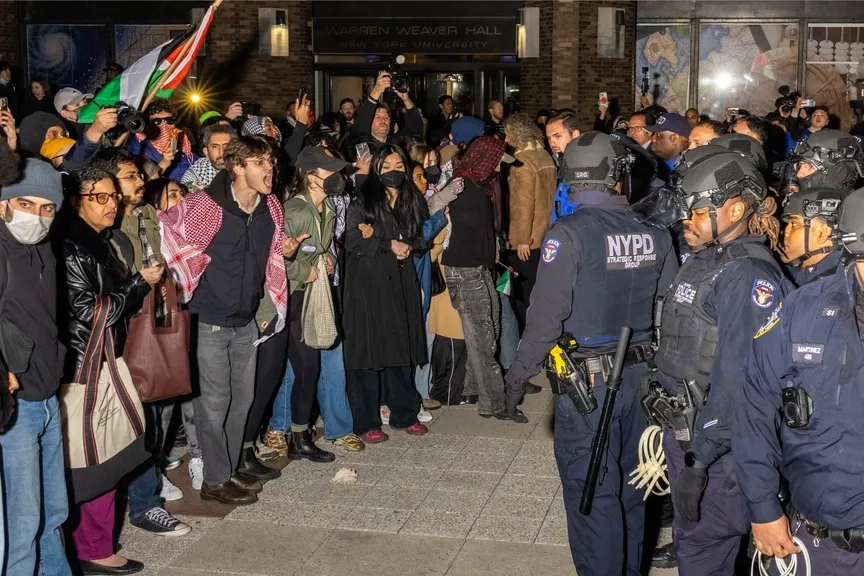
(188, 229)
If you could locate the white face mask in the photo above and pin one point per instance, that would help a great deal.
(28, 228)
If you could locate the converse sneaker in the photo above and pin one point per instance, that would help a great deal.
(170, 492)
(424, 415)
(196, 472)
(158, 521)
(385, 415)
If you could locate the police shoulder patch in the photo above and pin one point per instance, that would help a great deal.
(550, 250)
(773, 320)
(763, 293)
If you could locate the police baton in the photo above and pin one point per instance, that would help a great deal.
(601, 438)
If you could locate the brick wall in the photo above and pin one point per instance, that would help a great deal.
(535, 74)
(235, 71)
(568, 73)
(10, 33)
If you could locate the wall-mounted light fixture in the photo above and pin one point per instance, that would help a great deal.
(528, 33)
(273, 32)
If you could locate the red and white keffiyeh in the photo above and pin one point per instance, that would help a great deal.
(188, 229)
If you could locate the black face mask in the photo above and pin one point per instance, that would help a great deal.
(334, 185)
(393, 179)
(432, 174)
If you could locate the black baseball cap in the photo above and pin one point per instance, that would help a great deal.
(314, 157)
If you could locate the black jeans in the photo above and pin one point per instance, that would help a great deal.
(306, 363)
(365, 389)
(272, 356)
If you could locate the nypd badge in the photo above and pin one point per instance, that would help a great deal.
(763, 293)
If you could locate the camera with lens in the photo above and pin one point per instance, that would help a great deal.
(130, 118)
(251, 109)
(399, 80)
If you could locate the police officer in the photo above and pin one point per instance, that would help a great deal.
(600, 270)
(825, 159)
(801, 413)
(722, 294)
(809, 249)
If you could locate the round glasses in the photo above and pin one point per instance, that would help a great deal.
(103, 198)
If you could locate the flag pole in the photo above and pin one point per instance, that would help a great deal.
(161, 82)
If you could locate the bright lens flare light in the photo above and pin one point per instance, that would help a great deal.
(723, 81)
(195, 98)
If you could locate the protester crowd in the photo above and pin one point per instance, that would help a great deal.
(333, 277)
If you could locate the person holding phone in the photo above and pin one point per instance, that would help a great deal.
(157, 142)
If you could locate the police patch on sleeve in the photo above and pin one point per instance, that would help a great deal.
(763, 293)
(627, 251)
(773, 320)
(550, 250)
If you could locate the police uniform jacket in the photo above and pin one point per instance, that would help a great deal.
(599, 270)
(813, 341)
(718, 301)
(824, 267)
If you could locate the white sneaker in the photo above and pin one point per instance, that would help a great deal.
(385, 415)
(196, 472)
(424, 415)
(170, 492)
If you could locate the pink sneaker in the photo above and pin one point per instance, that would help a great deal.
(375, 437)
(417, 429)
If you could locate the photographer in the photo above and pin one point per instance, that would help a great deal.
(373, 117)
(787, 114)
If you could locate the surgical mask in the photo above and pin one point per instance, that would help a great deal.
(28, 228)
(334, 185)
(393, 179)
(432, 174)
(4, 81)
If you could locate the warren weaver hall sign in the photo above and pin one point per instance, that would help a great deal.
(496, 35)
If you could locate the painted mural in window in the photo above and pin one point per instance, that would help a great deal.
(67, 55)
(665, 51)
(743, 65)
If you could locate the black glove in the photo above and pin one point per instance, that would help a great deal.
(513, 398)
(688, 491)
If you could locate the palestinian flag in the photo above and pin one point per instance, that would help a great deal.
(505, 284)
(133, 85)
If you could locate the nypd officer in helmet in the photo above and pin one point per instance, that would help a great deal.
(801, 415)
(810, 248)
(825, 159)
(721, 296)
(600, 270)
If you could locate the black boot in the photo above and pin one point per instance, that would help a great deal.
(250, 467)
(301, 446)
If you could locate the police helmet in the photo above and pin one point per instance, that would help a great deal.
(748, 147)
(851, 224)
(823, 203)
(714, 179)
(837, 156)
(690, 157)
(595, 159)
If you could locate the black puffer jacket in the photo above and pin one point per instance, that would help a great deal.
(92, 268)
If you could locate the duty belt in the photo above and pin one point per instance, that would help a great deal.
(850, 540)
(603, 363)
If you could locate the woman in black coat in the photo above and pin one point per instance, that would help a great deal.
(95, 280)
(385, 336)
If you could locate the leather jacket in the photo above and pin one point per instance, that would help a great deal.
(91, 267)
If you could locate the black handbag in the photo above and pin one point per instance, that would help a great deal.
(438, 284)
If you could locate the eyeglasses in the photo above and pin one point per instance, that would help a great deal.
(133, 176)
(103, 198)
(261, 162)
(160, 121)
(636, 129)
(58, 134)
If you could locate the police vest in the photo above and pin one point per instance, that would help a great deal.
(618, 273)
(689, 336)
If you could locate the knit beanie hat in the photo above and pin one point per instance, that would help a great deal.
(38, 179)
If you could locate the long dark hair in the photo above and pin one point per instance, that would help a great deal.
(410, 208)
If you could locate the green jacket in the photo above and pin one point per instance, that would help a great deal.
(301, 217)
(129, 226)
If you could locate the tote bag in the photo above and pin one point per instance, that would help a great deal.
(319, 317)
(158, 356)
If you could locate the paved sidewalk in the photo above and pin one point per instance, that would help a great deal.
(473, 497)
